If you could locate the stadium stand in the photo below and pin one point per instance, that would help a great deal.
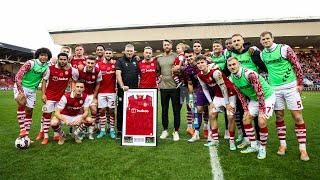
(11, 58)
(310, 62)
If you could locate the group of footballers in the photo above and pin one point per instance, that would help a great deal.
(243, 82)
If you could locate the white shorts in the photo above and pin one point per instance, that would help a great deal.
(107, 100)
(50, 106)
(90, 97)
(219, 104)
(291, 97)
(269, 103)
(70, 119)
(30, 95)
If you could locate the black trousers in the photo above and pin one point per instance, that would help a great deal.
(174, 95)
(120, 110)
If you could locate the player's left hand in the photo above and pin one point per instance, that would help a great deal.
(230, 108)
(44, 98)
(21, 99)
(125, 88)
(299, 89)
(175, 69)
(251, 50)
(211, 106)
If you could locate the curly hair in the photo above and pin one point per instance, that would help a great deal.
(43, 51)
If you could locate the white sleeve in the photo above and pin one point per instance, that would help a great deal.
(31, 63)
(225, 53)
(205, 90)
(255, 48)
(47, 74)
(87, 102)
(284, 50)
(99, 78)
(181, 58)
(75, 73)
(62, 103)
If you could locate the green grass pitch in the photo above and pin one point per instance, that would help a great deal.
(106, 159)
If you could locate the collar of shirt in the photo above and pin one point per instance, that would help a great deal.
(72, 95)
(238, 74)
(272, 48)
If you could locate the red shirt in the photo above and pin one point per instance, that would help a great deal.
(139, 120)
(148, 73)
(178, 59)
(58, 80)
(77, 62)
(91, 79)
(108, 72)
(73, 106)
(210, 81)
(98, 60)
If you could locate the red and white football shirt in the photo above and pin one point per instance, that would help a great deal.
(58, 80)
(139, 115)
(90, 78)
(73, 106)
(178, 59)
(210, 81)
(148, 73)
(108, 72)
(76, 62)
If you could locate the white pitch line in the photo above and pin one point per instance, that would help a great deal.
(215, 164)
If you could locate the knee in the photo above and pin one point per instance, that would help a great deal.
(213, 115)
(88, 120)
(54, 123)
(262, 123)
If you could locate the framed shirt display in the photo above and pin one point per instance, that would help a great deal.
(139, 117)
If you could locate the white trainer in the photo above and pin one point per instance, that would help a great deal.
(175, 135)
(195, 137)
(262, 154)
(232, 147)
(164, 134)
(250, 150)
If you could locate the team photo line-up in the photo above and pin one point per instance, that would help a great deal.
(244, 83)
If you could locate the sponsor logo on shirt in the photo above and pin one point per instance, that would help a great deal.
(56, 78)
(135, 110)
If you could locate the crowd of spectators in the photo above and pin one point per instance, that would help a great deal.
(310, 65)
(6, 80)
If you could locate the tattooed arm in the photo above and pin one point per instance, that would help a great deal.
(19, 76)
(242, 99)
(292, 57)
(253, 78)
(217, 76)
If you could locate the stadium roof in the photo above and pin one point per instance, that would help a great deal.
(14, 54)
(293, 31)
